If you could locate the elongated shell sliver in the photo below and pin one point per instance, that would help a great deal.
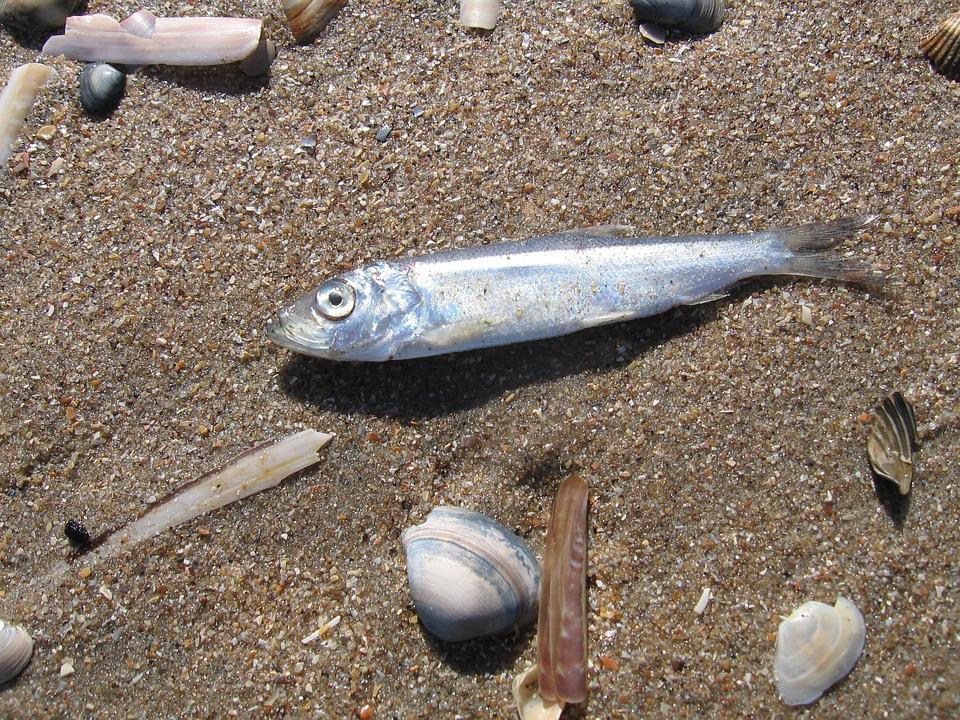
(562, 625)
(15, 102)
(143, 39)
(890, 443)
(251, 472)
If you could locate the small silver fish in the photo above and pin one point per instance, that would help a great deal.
(543, 287)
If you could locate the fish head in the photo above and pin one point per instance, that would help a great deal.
(365, 314)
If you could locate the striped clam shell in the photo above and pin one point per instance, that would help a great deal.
(16, 648)
(893, 434)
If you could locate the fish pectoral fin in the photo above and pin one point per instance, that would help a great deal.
(707, 298)
(455, 335)
(607, 318)
(602, 231)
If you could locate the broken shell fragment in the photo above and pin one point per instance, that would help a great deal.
(101, 87)
(530, 703)
(32, 14)
(817, 645)
(695, 16)
(479, 14)
(469, 576)
(308, 18)
(893, 434)
(942, 47)
(16, 648)
(15, 102)
(143, 39)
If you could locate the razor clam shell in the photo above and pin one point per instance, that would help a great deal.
(817, 645)
(893, 434)
(16, 649)
(562, 626)
(695, 16)
(174, 41)
(479, 14)
(942, 47)
(15, 102)
(308, 18)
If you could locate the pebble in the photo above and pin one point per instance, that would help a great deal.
(46, 132)
(66, 669)
(383, 133)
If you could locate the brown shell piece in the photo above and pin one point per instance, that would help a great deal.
(942, 46)
(892, 437)
(308, 18)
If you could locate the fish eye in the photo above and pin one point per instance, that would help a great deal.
(335, 299)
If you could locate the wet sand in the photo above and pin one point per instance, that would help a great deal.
(721, 442)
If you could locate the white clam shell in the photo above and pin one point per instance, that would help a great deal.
(480, 14)
(816, 646)
(16, 648)
(469, 576)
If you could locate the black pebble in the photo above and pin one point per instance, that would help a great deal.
(77, 533)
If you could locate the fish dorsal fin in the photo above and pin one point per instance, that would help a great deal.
(602, 231)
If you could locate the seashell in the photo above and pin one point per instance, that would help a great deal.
(531, 705)
(308, 18)
(101, 87)
(16, 99)
(259, 61)
(891, 440)
(33, 14)
(942, 46)
(16, 648)
(144, 39)
(469, 576)
(816, 646)
(480, 14)
(695, 16)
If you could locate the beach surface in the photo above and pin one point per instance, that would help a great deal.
(724, 444)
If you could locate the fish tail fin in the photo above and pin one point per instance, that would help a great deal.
(811, 248)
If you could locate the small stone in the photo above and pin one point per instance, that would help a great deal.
(806, 315)
(953, 212)
(85, 573)
(76, 533)
(528, 188)
(418, 111)
(609, 663)
(864, 418)
(55, 167)
(66, 669)
(106, 592)
(365, 713)
(46, 132)
(383, 133)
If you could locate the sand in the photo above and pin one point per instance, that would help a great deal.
(721, 442)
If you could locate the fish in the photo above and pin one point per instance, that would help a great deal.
(518, 291)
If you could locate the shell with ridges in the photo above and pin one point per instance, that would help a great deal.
(16, 648)
(890, 443)
(817, 645)
(695, 16)
(942, 46)
(308, 18)
(469, 576)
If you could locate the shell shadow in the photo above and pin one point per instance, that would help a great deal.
(481, 656)
(896, 505)
(436, 386)
(228, 79)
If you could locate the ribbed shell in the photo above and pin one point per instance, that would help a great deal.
(469, 576)
(942, 46)
(890, 443)
(816, 646)
(695, 16)
(16, 648)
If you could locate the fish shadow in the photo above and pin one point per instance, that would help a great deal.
(437, 386)
(481, 656)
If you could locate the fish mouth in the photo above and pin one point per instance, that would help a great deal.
(284, 332)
